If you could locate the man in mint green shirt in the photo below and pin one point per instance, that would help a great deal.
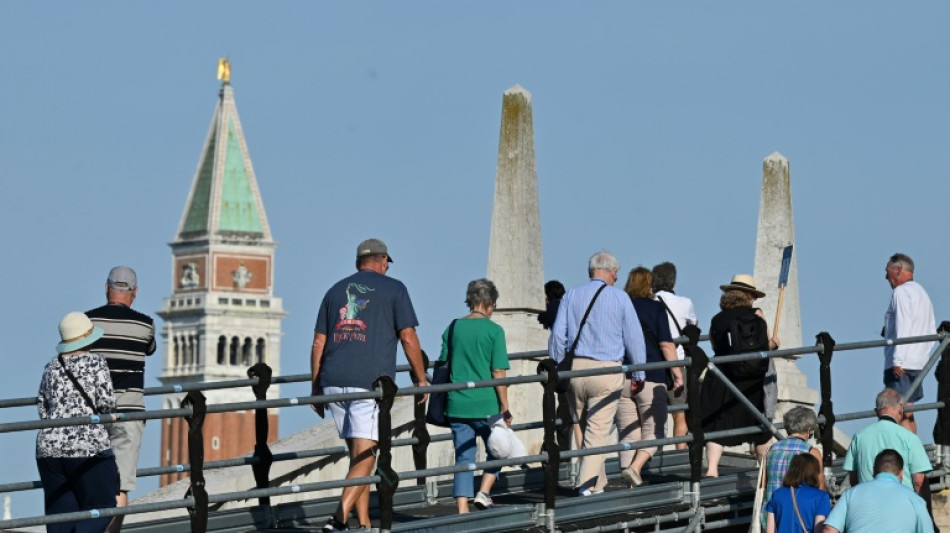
(887, 433)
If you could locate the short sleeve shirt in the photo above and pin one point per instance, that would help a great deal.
(882, 504)
(362, 316)
(879, 436)
(812, 503)
(478, 347)
(653, 318)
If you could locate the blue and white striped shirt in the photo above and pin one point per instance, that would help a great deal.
(612, 331)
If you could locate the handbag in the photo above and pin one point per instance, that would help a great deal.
(756, 525)
(565, 364)
(669, 371)
(441, 374)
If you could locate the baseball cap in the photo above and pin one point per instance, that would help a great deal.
(122, 278)
(373, 247)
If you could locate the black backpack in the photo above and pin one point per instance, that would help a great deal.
(747, 333)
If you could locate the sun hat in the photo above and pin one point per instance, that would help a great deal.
(743, 282)
(373, 247)
(122, 278)
(503, 443)
(77, 332)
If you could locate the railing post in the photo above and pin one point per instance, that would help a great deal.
(388, 478)
(694, 418)
(262, 453)
(420, 431)
(827, 406)
(942, 426)
(196, 456)
(553, 464)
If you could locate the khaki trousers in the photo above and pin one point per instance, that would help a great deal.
(599, 395)
(642, 417)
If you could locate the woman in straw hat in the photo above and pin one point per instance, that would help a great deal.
(76, 463)
(736, 329)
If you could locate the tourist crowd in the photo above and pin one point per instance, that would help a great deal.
(594, 326)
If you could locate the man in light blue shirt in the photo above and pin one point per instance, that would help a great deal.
(882, 504)
(611, 336)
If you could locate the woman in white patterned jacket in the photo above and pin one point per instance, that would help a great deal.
(76, 463)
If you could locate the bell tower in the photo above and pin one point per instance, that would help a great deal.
(222, 316)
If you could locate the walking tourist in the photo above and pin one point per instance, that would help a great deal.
(799, 505)
(642, 416)
(360, 320)
(909, 314)
(129, 336)
(611, 335)
(887, 433)
(800, 425)
(478, 352)
(881, 504)
(735, 329)
(681, 312)
(76, 464)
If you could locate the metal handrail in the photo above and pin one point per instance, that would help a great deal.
(409, 391)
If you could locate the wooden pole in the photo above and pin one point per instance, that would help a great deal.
(778, 314)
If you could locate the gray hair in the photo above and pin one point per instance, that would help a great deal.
(902, 260)
(480, 292)
(800, 420)
(887, 399)
(602, 260)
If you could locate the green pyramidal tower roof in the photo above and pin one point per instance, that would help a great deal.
(224, 202)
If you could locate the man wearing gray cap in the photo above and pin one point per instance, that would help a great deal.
(358, 325)
(129, 337)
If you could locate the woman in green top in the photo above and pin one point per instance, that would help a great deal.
(478, 354)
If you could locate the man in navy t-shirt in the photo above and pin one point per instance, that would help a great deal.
(359, 322)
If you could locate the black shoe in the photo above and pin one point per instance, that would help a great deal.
(334, 525)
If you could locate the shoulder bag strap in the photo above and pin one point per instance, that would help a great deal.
(675, 322)
(76, 384)
(448, 355)
(584, 320)
(797, 512)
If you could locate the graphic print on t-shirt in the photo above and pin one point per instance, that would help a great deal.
(350, 327)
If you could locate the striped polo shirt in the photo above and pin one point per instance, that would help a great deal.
(129, 337)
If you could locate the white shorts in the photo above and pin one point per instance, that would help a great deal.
(355, 419)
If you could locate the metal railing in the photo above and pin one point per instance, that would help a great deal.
(551, 456)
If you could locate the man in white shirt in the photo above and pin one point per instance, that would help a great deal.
(680, 312)
(910, 314)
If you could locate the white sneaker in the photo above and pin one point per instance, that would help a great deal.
(631, 477)
(483, 501)
(588, 492)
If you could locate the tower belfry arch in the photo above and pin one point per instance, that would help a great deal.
(222, 315)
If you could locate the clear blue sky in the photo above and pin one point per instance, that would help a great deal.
(381, 119)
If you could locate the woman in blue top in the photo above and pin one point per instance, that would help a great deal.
(798, 505)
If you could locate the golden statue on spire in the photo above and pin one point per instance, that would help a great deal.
(224, 70)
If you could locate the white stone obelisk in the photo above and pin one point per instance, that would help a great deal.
(776, 231)
(515, 262)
